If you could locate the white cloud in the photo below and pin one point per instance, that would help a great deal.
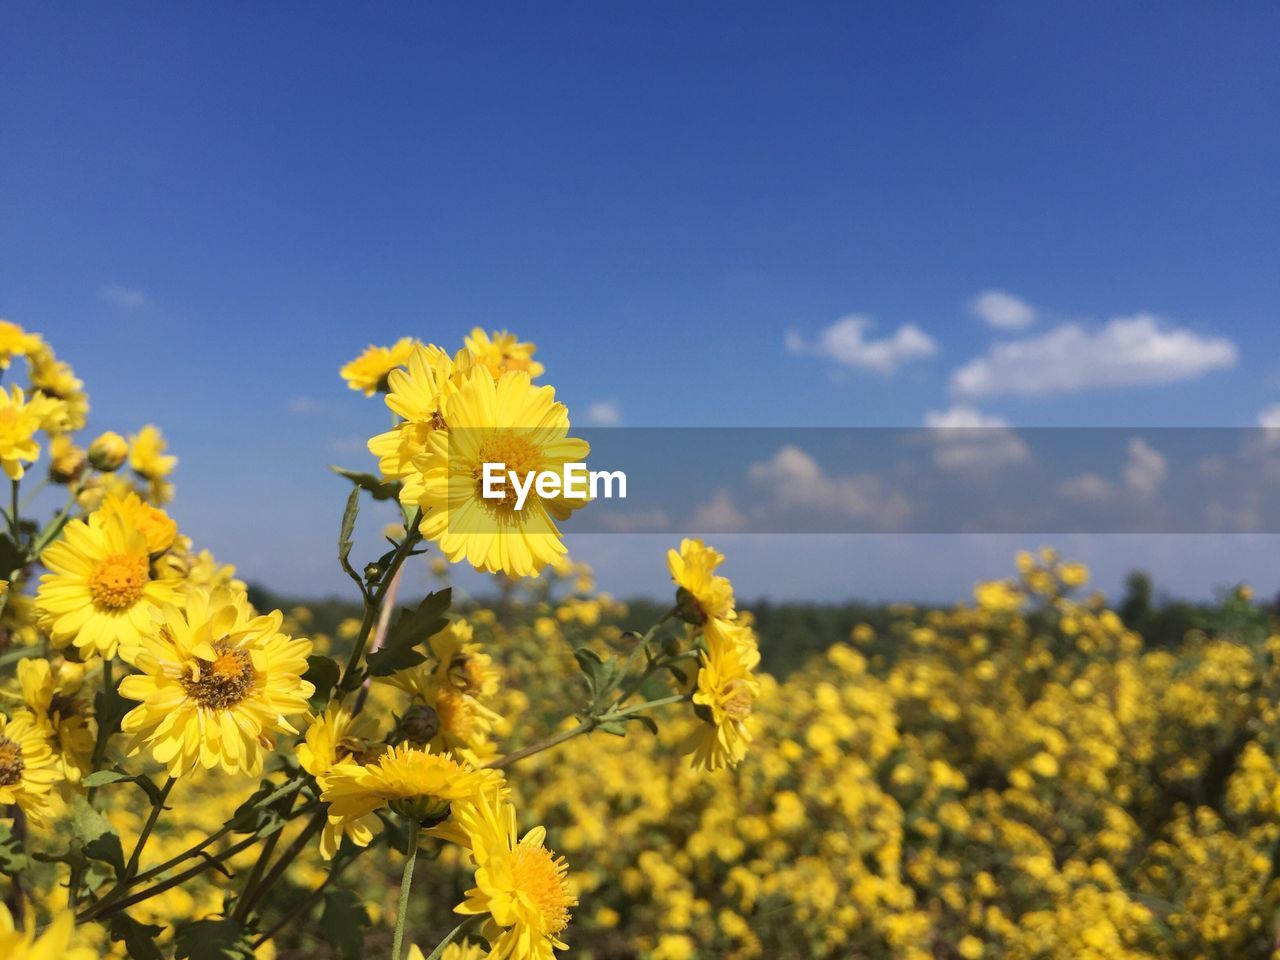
(1086, 488)
(301, 405)
(655, 520)
(127, 298)
(794, 480)
(1001, 309)
(604, 413)
(1269, 419)
(845, 342)
(1146, 468)
(968, 441)
(717, 515)
(1127, 351)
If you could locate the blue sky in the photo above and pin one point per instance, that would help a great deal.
(208, 210)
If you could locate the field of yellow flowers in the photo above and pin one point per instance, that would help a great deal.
(184, 775)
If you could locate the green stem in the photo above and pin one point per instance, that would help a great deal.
(49, 533)
(254, 894)
(586, 726)
(373, 605)
(100, 743)
(136, 857)
(458, 931)
(106, 909)
(406, 884)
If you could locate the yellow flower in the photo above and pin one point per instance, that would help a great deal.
(56, 379)
(147, 454)
(66, 460)
(465, 950)
(156, 526)
(411, 781)
(723, 698)
(368, 372)
(333, 737)
(417, 394)
(28, 768)
(19, 421)
(701, 594)
(998, 596)
(54, 944)
(108, 452)
(16, 342)
(520, 884)
(56, 708)
(502, 351)
(216, 683)
(508, 421)
(101, 589)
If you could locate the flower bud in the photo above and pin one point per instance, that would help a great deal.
(66, 460)
(418, 726)
(108, 452)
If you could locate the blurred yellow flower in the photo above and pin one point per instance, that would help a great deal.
(723, 699)
(147, 454)
(20, 419)
(108, 451)
(500, 351)
(55, 943)
(367, 373)
(55, 705)
(28, 768)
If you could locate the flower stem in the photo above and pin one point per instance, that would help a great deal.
(136, 857)
(411, 855)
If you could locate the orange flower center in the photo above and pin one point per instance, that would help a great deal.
(222, 682)
(539, 875)
(516, 453)
(737, 700)
(11, 762)
(118, 581)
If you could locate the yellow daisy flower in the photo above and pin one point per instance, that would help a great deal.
(465, 950)
(368, 372)
(147, 454)
(101, 587)
(411, 781)
(16, 342)
(216, 682)
(451, 683)
(724, 695)
(702, 595)
(28, 768)
(19, 421)
(418, 395)
(507, 421)
(155, 525)
(56, 379)
(520, 884)
(501, 351)
(335, 736)
(55, 706)
(56, 943)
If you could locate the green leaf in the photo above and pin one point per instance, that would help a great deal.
(343, 923)
(212, 940)
(11, 558)
(601, 675)
(322, 673)
(13, 858)
(348, 526)
(96, 835)
(100, 778)
(138, 938)
(379, 488)
(410, 629)
(615, 727)
(109, 709)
